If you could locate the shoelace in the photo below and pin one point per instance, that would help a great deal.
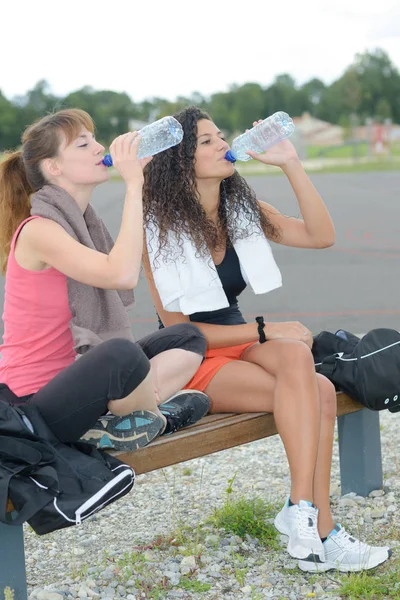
(179, 419)
(348, 542)
(307, 522)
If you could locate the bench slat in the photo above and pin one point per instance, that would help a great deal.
(211, 434)
(208, 436)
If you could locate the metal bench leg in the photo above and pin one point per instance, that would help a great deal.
(360, 452)
(12, 561)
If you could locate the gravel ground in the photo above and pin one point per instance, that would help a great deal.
(153, 544)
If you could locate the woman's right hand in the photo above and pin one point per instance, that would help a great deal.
(123, 151)
(288, 330)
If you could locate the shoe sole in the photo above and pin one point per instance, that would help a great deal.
(315, 567)
(201, 408)
(139, 438)
(294, 553)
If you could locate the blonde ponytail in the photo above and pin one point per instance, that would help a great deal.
(15, 206)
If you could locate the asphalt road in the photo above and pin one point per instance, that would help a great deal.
(353, 286)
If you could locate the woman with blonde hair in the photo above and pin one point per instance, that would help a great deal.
(67, 291)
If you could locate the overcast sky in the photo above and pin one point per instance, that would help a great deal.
(168, 48)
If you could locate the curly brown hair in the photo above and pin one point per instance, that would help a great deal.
(171, 198)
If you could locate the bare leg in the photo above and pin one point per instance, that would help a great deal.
(244, 387)
(143, 397)
(172, 370)
(325, 425)
(296, 407)
(322, 476)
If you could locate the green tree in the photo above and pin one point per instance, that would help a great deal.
(383, 109)
(83, 98)
(111, 111)
(342, 98)
(221, 110)
(10, 128)
(379, 79)
(38, 102)
(369, 87)
(370, 80)
(313, 91)
(248, 105)
(284, 95)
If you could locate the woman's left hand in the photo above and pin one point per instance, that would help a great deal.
(279, 155)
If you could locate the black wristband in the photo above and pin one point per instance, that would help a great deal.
(260, 329)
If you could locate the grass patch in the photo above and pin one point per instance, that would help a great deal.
(8, 593)
(192, 585)
(345, 151)
(130, 563)
(362, 167)
(352, 167)
(342, 151)
(243, 516)
(371, 586)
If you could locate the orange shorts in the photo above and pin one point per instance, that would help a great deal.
(214, 360)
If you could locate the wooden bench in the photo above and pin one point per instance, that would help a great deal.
(359, 451)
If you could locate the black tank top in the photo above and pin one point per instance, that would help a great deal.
(233, 284)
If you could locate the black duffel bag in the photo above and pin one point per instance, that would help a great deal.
(52, 485)
(367, 369)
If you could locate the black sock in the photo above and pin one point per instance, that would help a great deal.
(323, 539)
(291, 503)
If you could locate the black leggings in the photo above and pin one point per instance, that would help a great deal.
(75, 398)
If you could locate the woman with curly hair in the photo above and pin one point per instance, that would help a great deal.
(206, 239)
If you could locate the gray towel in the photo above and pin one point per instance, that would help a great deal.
(97, 314)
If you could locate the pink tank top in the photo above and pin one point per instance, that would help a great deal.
(37, 340)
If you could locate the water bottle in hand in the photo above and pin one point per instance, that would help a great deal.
(155, 138)
(263, 136)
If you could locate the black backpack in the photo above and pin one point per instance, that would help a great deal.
(366, 369)
(52, 485)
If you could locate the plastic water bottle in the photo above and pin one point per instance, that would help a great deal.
(263, 136)
(155, 138)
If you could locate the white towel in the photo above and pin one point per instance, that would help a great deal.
(188, 283)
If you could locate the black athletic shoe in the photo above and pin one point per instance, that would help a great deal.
(183, 409)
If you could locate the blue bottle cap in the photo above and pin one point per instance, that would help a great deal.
(107, 160)
(231, 156)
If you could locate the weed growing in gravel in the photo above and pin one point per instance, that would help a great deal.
(80, 571)
(246, 516)
(372, 585)
(193, 585)
(243, 516)
(133, 565)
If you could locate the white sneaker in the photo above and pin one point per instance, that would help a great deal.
(345, 553)
(299, 523)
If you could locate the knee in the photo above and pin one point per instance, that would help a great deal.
(127, 366)
(295, 355)
(191, 338)
(122, 351)
(327, 394)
